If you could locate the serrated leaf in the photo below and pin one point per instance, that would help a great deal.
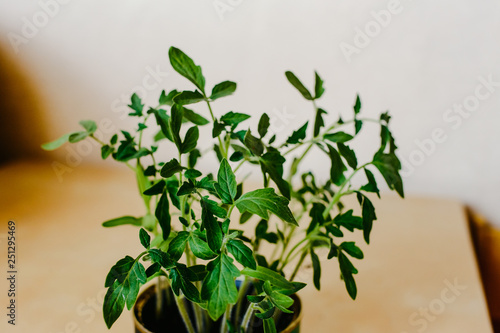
(200, 247)
(157, 188)
(272, 164)
(351, 249)
(298, 85)
(233, 118)
(161, 258)
(318, 86)
(298, 135)
(347, 270)
(185, 66)
(188, 97)
(106, 151)
(136, 105)
(192, 174)
(372, 183)
(223, 89)
(226, 185)
(368, 217)
(181, 281)
(318, 121)
(348, 221)
(242, 253)
(123, 291)
(219, 288)
(266, 314)
(348, 154)
(263, 201)
(162, 213)
(178, 245)
(193, 158)
(167, 99)
(338, 168)
(137, 221)
(254, 144)
(175, 124)
(389, 166)
(214, 232)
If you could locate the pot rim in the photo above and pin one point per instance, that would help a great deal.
(150, 290)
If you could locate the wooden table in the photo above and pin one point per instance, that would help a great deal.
(419, 274)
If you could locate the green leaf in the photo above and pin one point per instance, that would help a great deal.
(264, 123)
(319, 122)
(199, 247)
(135, 104)
(190, 140)
(181, 280)
(351, 249)
(145, 238)
(106, 151)
(316, 269)
(368, 216)
(162, 213)
(194, 117)
(241, 253)
(185, 66)
(348, 221)
(266, 314)
(357, 125)
(219, 288)
(156, 188)
(137, 221)
(272, 164)
(175, 123)
(178, 245)
(186, 188)
(338, 137)
(56, 143)
(348, 154)
(298, 85)
(338, 168)
(265, 274)
(192, 174)
(77, 137)
(389, 166)
(255, 299)
(226, 185)
(171, 168)
(347, 269)
(233, 118)
(261, 201)
(168, 99)
(161, 258)
(372, 183)
(254, 144)
(222, 89)
(188, 97)
(214, 231)
(298, 135)
(213, 207)
(163, 120)
(193, 158)
(123, 290)
(318, 86)
(357, 105)
(89, 125)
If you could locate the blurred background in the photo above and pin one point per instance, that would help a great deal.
(434, 65)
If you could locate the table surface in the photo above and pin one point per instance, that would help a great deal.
(419, 273)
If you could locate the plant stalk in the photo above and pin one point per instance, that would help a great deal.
(181, 305)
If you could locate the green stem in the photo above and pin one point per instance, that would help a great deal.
(301, 260)
(222, 148)
(248, 316)
(227, 316)
(179, 300)
(241, 297)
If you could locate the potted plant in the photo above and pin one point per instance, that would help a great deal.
(214, 273)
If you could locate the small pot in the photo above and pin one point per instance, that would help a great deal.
(145, 320)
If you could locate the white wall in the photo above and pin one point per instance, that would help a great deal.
(430, 56)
